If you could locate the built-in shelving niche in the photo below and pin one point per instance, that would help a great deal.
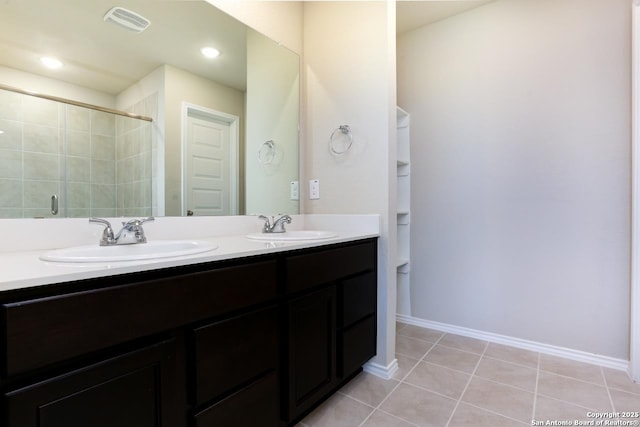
(403, 207)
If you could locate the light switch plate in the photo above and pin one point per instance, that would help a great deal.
(314, 189)
(295, 190)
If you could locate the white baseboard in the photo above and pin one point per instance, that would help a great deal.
(384, 372)
(567, 353)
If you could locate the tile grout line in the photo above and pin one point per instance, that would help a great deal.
(401, 381)
(568, 402)
(494, 412)
(425, 355)
(489, 379)
(455, 408)
(523, 365)
(397, 417)
(569, 377)
(572, 403)
(385, 398)
(606, 386)
(446, 346)
(535, 391)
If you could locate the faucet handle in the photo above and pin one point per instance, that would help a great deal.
(104, 222)
(138, 222)
(268, 223)
(107, 233)
(278, 224)
(135, 226)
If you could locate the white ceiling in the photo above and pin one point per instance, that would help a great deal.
(108, 58)
(413, 14)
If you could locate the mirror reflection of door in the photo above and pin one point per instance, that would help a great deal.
(210, 163)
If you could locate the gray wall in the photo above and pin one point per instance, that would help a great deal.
(521, 170)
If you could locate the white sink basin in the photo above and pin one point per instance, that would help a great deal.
(292, 235)
(119, 253)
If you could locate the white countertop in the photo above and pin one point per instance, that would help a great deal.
(24, 268)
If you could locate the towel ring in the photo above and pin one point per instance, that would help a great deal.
(267, 152)
(345, 130)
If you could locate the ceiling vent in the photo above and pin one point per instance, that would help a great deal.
(127, 19)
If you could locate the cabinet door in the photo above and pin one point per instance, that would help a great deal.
(133, 390)
(312, 349)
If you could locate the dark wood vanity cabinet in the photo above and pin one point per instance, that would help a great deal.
(259, 341)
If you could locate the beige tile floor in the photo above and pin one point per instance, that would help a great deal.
(451, 381)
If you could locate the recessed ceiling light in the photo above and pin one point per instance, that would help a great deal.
(210, 52)
(50, 62)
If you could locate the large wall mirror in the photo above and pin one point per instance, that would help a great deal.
(200, 135)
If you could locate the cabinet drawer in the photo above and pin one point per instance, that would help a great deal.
(308, 270)
(47, 330)
(232, 352)
(357, 344)
(358, 298)
(255, 405)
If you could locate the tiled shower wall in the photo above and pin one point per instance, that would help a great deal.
(139, 166)
(50, 148)
(133, 166)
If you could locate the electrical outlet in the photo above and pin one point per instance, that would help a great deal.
(295, 190)
(314, 189)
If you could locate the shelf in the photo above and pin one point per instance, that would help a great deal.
(402, 118)
(403, 212)
(403, 218)
(403, 266)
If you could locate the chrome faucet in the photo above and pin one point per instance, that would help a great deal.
(275, 225)
(131, 232)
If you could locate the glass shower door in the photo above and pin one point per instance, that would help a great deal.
(64, 160)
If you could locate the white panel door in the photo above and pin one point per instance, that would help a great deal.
(208, 160)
